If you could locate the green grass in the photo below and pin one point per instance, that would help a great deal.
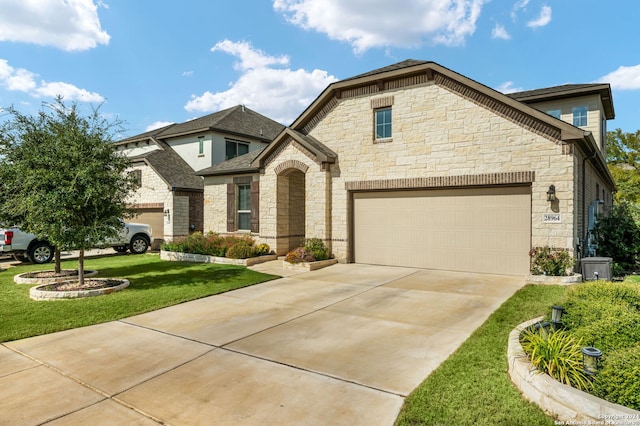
(154, 284)
(472, 387)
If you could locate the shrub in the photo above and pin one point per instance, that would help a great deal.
(316, 247)
(212, 245)
(618, 380)
(550, 261)
(263, 249)
(558, 354)
(242, 249)
(605, 314)
(299, 254)
(618, 237)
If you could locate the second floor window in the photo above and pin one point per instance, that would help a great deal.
(383, 123)
(235, 149)
(554, 113)
(580, 116)
(201, 145)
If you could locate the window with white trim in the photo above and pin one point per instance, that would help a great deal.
(580, 116)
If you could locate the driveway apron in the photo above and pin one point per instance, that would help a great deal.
(342, 345)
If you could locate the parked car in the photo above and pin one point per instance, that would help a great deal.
(135, 237)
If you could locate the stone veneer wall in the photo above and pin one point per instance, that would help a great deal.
(438, 133)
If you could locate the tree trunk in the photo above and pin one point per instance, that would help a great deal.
(81, 267)
(57, 260)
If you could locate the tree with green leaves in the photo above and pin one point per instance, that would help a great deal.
(62, 177)
(623, 158)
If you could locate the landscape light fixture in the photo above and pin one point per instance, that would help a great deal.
(556, 316)
(551, 193)
(590, 358)
(542, 328)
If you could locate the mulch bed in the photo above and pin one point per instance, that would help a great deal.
(89, 284)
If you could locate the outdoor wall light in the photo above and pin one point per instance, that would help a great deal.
(590, 358)
(556, 316)
(551, 193)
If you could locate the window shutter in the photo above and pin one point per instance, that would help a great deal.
(231, 207)
(255, 206)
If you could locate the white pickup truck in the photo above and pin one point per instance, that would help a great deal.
(135, 237)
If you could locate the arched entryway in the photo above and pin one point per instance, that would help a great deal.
(291, 213)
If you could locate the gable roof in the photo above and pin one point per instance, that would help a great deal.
(238, 120)
(237, 165)
(171, 168)
(569, 91)
(414, 72)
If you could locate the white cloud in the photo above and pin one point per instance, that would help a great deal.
(187, 74)
(517, 8)
(499, 31)
(279, 93)
(22, 80)
(67, 91)
(157, 125)
(250, 57)
(624, 78)
(508, 87)
(68, 25)
(361, 23)
(542, 20)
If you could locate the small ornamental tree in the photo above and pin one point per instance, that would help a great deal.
(63, 178)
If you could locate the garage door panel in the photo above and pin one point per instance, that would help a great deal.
(476, 230)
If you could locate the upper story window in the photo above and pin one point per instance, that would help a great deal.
(580, 116)
(235, 149)
(200, 145)
(383, 123)
(555, 113)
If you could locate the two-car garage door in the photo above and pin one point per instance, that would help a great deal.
(485, 230)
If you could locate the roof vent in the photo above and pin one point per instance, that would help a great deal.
(261, 133)
(242, 107)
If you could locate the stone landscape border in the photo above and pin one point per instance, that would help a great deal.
(23, 279)
(202, 258)
(553, 280)
(309, 266)
(40, 293)
(566, 404)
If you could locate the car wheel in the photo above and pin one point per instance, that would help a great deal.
(138, 244)
(120, 249)
(40, 252)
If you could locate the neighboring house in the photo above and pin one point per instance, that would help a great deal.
(416, 165)
(170, 197)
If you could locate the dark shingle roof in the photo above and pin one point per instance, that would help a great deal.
(397, 66)
(568, 91)
(144, 136)
(172, 168)
(238, 120)
(240, 164)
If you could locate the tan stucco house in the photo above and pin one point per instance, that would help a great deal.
(416, 165)
(170, 197)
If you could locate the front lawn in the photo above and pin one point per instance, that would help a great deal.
(473, 387)
(154, 284)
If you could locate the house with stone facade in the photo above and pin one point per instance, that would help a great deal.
(170, 196)
(416, 165)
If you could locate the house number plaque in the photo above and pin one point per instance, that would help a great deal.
(551, 218)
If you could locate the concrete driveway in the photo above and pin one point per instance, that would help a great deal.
(343, 346)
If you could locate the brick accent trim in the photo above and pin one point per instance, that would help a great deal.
(508, 178)
(291, 164)
(147, 206)
(383, 102)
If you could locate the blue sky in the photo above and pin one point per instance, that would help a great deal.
(153, 62)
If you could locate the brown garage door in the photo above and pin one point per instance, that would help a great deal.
(485, 230)
(155, 218)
